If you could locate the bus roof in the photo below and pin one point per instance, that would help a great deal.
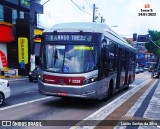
(90, 27)
(79, 26)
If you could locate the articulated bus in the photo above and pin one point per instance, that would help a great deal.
(85, 60)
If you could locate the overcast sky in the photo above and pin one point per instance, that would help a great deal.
(121, 13)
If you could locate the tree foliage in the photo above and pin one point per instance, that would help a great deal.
(129, 42)
(155, 37)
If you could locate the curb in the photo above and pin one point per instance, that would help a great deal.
(19, 76)
(17, 79)
(103, 112)
(14, 78)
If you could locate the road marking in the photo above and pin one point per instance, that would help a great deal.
(132, 85)
(30, 91)
(109, 108)
(18, 79)
(24, 103)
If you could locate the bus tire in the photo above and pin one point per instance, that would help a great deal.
(109, 93)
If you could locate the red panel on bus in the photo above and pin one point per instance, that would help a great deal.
(60, 80)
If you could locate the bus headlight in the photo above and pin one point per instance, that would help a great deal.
(90, 79)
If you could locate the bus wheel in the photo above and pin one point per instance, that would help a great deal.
(109, 93)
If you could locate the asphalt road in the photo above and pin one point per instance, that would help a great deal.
(26, 103)
(22, 91)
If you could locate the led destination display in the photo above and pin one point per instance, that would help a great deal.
(72, 37)
(86, 38)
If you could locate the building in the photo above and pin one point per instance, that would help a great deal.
(138, 42)
(14, 30)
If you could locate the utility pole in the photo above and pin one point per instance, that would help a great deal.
(94, 14)
(32, 18)
(94, 9)
(101, 19)
(35, 8)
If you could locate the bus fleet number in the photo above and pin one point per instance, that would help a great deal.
(74, 81)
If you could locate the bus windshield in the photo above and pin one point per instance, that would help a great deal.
(70, 58)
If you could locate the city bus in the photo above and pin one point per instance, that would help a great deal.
(84, 60)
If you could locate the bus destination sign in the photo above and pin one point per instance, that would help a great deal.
(62, 37)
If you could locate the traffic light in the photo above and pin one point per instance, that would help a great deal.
(135, 37)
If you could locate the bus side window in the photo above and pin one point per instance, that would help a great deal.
(106, 58)
(112, 56)
(131, 61)
(123, 59)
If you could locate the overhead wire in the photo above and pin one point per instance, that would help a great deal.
(83, 10)
(89, 4)
(45, 2)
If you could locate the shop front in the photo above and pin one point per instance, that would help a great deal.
(5, 38)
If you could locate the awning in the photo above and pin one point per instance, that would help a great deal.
(5, 32)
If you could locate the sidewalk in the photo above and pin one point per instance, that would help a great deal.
(139, 108)
(13, 78)
(19, 76)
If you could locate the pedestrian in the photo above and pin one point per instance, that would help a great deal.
(22, 67)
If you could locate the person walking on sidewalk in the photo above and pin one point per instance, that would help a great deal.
(22, 67)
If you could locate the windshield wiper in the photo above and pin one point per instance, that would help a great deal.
(91, 49)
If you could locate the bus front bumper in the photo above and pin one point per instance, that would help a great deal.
(86, 91)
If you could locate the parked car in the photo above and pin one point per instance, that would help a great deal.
(158, 69)
(33, 75)
(157, 72)
(145, 68)
(137, 70)
(141, 69)
(5, 91)
(152, 67)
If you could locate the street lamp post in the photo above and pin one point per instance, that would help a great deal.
(114, 26)
(46, 2)
(153, 42)
(42, 5)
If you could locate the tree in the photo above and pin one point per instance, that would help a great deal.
(129, 42)
(155, 37)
